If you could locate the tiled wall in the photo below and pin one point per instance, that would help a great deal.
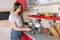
(49, 8)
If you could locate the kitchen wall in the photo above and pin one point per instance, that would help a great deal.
(48, 8)
(6, 4)
(51, 9)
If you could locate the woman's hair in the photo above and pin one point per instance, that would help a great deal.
(16, 5)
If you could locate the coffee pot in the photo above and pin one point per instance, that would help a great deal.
(37, 25)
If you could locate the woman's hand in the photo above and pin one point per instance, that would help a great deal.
(26, 26)
(28, 29)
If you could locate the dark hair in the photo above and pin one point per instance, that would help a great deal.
(16, 5)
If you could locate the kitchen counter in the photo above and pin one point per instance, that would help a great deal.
(41, 36)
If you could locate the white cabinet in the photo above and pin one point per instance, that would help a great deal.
(53, 0)
(46, 1)
(42, 1)
(29, 3)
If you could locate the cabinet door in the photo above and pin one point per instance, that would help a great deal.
(53, 0)
(23, 2)
(26, 37)
(42, 1)
(22, 38)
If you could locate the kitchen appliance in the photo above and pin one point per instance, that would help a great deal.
(37, 25)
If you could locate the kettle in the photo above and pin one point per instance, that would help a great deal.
(38, 25)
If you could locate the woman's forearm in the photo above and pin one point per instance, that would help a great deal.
(19, 29)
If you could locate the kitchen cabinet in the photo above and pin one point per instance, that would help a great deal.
(26, 37)
(53, 0)
(46, 1)
(29, 3)
(37, 36)
(42, 1)
(23, 2)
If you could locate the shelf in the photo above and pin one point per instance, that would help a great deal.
(49, 3)
(45, 17)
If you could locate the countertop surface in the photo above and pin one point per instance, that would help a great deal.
(41, 36)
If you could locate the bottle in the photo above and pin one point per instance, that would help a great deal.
(35, 11)
(35, 2)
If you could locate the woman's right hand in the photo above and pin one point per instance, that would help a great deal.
(28, 29)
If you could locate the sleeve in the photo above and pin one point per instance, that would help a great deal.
(11, 19)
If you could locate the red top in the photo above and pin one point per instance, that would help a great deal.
(45, 17)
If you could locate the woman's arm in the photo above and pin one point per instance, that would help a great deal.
(19, 29)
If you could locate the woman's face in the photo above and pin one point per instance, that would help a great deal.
(19, 8)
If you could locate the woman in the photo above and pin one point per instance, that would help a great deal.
(16, 20)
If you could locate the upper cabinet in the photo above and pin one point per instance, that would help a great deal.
(23, 2)
(42, 1)
(53, 0)
(46, 1)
